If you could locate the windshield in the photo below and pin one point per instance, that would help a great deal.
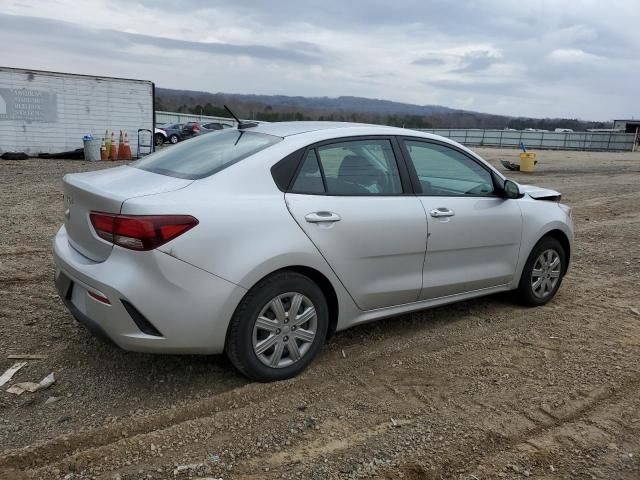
(206, 154)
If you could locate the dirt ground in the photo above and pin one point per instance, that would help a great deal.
(478, 390)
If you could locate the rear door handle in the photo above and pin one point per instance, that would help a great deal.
(442, 212)
(318, 217)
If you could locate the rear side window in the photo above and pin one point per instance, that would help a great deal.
(359, 167)
(309, 178)
(206, 154)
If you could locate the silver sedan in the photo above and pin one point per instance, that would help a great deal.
(262, 241)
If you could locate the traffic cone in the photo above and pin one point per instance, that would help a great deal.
(103, 151)
(122, 154)
(127, 147)
(108, 144)
(113, 154)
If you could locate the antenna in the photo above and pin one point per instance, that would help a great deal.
(233, 115)
(241, 124)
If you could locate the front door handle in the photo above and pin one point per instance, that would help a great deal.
(318, 217)
(442, 212)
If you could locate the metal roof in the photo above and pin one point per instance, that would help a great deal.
(47, 72)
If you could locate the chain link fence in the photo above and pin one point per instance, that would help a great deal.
(597, 141)
(174, 117)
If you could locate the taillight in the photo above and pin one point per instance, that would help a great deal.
(140, 232)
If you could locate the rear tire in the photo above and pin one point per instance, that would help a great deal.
(173, 139)
(267, 340)
(543, 273)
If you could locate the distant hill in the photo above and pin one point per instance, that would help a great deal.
(327, 104)
(347, 108)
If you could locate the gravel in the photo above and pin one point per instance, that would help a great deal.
(481, 389)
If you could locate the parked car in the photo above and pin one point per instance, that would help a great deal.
(159, 136)
(193, 129)
(173, 132)
(213, 126)
(262, 241)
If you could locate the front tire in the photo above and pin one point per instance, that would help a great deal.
(543, 273)
(159, 139)
(278, 328)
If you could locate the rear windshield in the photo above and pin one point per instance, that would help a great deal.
(206, 154)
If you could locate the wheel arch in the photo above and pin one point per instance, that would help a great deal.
(325, 285)
(561, 237)
(555, 230)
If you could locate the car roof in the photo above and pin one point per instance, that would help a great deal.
(303, 133)
(286, 129)
(328, 130)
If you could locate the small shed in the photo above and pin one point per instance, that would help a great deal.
(627, 126)
(50, 112)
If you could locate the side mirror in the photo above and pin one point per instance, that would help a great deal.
(511, 189)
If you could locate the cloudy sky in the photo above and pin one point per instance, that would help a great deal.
(536, 58)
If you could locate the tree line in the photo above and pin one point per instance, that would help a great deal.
(441, 119)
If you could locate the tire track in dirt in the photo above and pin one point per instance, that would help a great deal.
(32, 457)
(590, 427)
(33, 279)
(20, 253)
(493, 441)
(376, 386)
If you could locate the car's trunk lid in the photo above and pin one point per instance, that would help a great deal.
(106, 191)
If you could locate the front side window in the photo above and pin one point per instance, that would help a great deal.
(206, 154)
(358, 167)
(444, 171)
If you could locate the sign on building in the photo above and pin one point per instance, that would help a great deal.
(27, 104)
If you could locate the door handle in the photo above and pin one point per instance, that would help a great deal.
(442, 212)
(318, 217)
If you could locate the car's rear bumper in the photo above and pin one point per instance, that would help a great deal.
(188, 309)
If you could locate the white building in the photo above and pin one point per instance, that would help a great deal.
(49, 112)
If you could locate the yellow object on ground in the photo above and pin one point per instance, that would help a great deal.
(527, 162)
